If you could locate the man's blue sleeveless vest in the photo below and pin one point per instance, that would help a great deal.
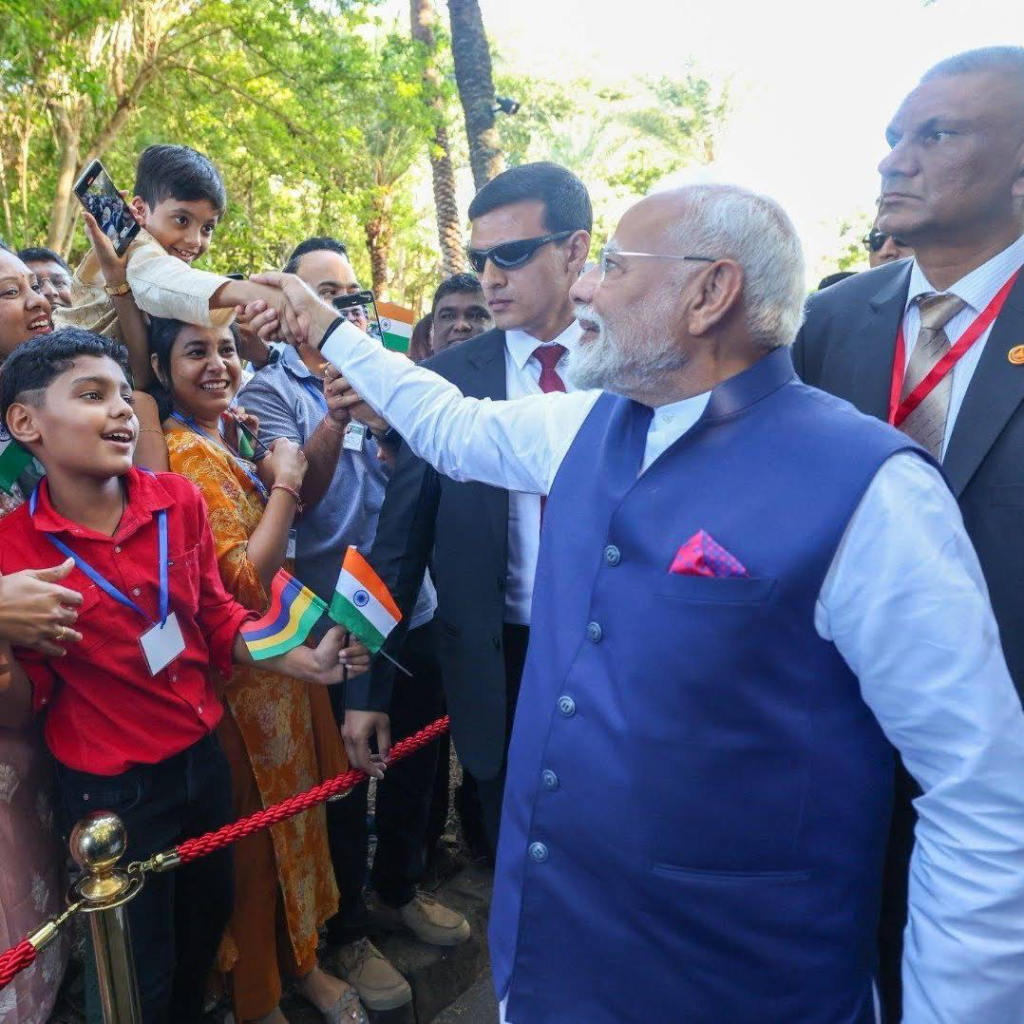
(698, 797)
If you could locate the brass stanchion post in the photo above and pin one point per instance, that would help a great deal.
(98, 842)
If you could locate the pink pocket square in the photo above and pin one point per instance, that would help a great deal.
(702, 555)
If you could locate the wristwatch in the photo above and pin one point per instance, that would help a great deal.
(118, 289)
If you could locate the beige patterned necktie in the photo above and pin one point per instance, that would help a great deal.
(927, 423)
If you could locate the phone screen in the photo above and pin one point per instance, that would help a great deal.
(361, 310)
(104, 202)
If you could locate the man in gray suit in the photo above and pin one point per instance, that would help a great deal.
(530, 239)
(935, 344)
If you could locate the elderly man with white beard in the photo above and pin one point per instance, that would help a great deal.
(748, 595)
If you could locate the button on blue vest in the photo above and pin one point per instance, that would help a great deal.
(712, 849)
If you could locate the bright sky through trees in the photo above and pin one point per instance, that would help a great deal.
(814, 81)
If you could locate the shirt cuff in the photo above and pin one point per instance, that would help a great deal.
(221, 639)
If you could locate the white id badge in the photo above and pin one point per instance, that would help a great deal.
(162, 644)
(355, 437)
(290, 550)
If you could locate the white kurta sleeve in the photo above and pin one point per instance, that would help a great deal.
(907, 607)
(165, 286)
(517, 445)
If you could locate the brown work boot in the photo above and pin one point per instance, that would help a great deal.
(427, 919)
(369, 972)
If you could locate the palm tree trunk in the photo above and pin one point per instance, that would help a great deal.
(379, 238)
(476, 89)
(423, 15)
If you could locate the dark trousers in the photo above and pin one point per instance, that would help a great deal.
(178, 918)
(492, 791)
(403, 797)
(895, 888)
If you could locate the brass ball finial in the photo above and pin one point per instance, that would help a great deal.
(97, 843)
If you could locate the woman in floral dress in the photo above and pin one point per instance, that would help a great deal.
(279, 735)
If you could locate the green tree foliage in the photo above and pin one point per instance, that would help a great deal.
(322, 119)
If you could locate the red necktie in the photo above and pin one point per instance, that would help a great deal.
(548, 356)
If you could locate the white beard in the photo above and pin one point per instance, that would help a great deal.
(630, 363)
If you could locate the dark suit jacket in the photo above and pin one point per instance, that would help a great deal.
(463, 528)
(846, 346)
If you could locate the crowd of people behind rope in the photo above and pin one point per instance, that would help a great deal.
(173, 409)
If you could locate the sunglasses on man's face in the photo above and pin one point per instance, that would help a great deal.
(875, 239)
(510, 255)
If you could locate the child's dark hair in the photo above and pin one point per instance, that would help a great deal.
(35, 364)
(178, 172)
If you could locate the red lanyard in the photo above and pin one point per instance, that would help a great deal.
(899, 411)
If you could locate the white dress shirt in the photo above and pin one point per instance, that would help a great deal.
(522, 378)
(905, 604)
(977, 289)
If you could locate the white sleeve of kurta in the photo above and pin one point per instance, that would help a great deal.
(165, 286)
(907, 607)
(517, 445)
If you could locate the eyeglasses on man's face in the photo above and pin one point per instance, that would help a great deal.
(512, 255)
(609, 262)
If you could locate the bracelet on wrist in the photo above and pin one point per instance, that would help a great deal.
(289, 490)
(117, 289)
(329, 420)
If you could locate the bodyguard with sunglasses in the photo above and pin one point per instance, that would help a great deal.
(530, 239)
(883, 248)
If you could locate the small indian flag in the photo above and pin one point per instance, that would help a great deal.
(361, 602)
(14, 460)
(294, 610)
(395, 326)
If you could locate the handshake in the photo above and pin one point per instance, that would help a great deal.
(280, 305)
(275, 305)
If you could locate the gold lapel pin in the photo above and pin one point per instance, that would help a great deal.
(1016, 355)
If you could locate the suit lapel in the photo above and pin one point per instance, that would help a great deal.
(995, 392)
(874, 338)
(487, 360)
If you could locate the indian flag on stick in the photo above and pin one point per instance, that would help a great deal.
(14, 460)
(361, 602)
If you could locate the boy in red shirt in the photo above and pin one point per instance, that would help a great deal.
(131, 706)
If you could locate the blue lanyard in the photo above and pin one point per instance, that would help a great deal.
(244, 466)
(101, 581)
(316, 393)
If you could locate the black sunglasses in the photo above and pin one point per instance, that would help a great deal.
(875, 239)
(510, 255)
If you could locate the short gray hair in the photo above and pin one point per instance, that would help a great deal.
(730, 222)
(985, 58)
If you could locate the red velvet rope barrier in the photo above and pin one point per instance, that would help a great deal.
(16, 959)
(192, 849)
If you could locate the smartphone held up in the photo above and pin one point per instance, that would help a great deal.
(96, 192)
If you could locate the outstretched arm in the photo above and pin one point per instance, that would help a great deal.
(515, 445)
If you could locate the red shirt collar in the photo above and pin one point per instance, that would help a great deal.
(146, 496)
